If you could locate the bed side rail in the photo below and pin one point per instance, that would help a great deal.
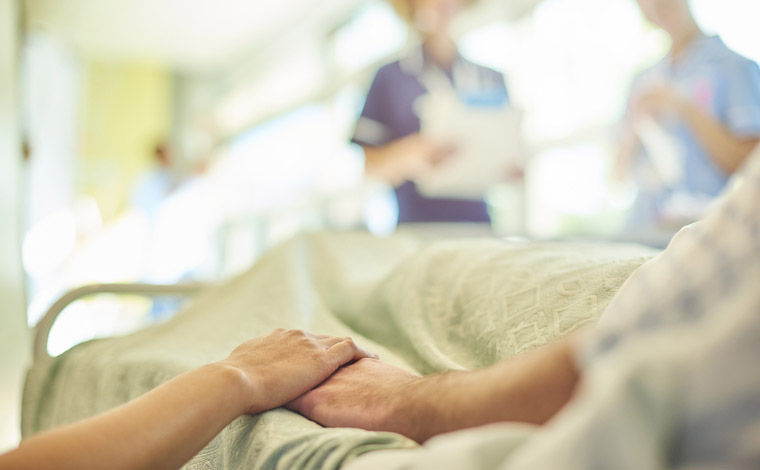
(42, 330)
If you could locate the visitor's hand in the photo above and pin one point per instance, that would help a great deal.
(282, 365)
(365, 394)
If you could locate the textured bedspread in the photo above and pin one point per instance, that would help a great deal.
(427, 306)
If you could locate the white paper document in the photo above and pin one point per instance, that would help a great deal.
(487, 141)
(664, 152)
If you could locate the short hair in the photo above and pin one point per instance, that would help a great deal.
(405, 10)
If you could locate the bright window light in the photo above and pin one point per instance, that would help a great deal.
(49, 243)
(375, 33)
(736, 21)
(568, 66)
(102, 316)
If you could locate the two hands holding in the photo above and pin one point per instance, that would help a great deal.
(321, 377)
(376, 396)
(336, 383)
(330, 380)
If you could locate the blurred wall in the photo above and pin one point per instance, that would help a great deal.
(14, 343)
(126, 110)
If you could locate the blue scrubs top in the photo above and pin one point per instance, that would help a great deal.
(389, 114)
(723, 84)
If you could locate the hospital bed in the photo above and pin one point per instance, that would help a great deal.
(425, 305)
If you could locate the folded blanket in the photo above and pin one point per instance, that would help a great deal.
(424, 306)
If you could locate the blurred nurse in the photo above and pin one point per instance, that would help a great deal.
(389, 128)
(692, 120)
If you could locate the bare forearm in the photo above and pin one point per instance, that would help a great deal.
(528, 389)
(162, 429)
(373, 395)
(628, 146)
(375, 163)
(726, 149)
(166, 427)
(385, 163)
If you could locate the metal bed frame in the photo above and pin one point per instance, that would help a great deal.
(42, 329)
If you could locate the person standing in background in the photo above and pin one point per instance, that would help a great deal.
(389, 128)
(157, 183)
(692, 120)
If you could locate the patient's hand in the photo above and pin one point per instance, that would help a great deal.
(365, 394)
(379, 397)
(281, 365)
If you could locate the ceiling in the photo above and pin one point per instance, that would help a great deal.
(190, 35)
(197, 35)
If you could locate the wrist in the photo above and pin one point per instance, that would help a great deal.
(237, 387)
(374, 163)
(429, 406)
(409, 412)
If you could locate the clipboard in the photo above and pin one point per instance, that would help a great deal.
(488, 142)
